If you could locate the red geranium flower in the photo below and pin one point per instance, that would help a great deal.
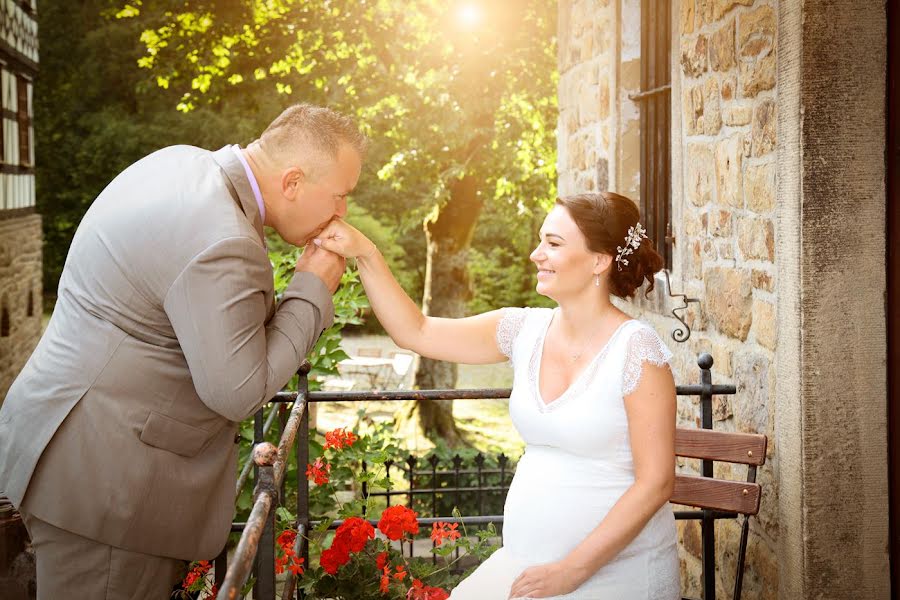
(441, 530)
(355, 532)
(286, 539)
(339, 438)
(397, 520)
(385, 579)
(335, 557)
(381, 560)
(400, 575)
(318, 471)
(419, 591)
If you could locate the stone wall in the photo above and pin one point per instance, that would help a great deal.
(585, 69)
(20, 294)
(723, 187)
(726, 68)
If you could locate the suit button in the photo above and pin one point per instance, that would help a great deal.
(237, 438)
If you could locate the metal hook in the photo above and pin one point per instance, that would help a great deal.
(683, 333)
(679, 334)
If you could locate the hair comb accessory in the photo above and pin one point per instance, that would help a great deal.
(632, 243)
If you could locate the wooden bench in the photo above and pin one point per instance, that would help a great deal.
(718, 498)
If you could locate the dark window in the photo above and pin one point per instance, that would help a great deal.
(654, 100)
(24, 122)
(30, 303)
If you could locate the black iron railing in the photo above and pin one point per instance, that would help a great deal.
(255, 552)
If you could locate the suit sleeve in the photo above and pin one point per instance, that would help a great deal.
(218, 311)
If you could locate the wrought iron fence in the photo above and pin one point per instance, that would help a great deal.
(255, 552)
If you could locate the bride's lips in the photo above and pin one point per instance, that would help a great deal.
(542, 273)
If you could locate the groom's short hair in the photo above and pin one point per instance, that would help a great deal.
(311, 134)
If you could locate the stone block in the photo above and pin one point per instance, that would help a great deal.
(692, 105)
(756, 31)
(759, 187)
(738, 115)
(758, 75)
(725, 249)
(588, 105)
(703, 10)
(695, 260)
(756, 238)
(721, 48)
(729, 301)
(752, 379)
(694, 56)
(694, 225)
(721, 407)
(722, 364)
(700, 173)
(763, 129)
(721, 7)
(762, 280)
(710, 253)
(687, 16)
(602, 99)
(768, 506)
(762, 569)
(720, 223)
(729, 84)
(690, 537)
(765, 324)
(712, 114)
(729, 187)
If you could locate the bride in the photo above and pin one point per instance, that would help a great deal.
(593, 397)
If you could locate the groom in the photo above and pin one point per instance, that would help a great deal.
(118, 440)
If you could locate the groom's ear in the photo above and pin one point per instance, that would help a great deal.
(292, 180)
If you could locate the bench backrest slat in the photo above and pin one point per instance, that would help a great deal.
(743, 448)
(717, 494)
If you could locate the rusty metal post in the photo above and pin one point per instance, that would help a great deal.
(259, 530)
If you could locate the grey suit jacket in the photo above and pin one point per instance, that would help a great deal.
(121, 427)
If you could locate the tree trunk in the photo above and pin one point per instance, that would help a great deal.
(448, 231)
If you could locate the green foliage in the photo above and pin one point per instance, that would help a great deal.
(440, 98)
(96, 113)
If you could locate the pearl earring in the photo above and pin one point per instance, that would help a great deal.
(597, 280)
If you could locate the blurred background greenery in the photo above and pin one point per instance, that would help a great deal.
(458, 98)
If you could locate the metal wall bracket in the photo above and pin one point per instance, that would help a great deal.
(683, 333)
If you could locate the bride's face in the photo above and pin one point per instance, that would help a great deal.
(565, 265)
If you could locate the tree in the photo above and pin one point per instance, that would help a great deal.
(95, 114)
(458, 98)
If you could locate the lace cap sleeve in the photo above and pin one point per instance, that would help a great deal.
(508, 328)
(644, 345)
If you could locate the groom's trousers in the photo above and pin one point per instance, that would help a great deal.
(70, 566)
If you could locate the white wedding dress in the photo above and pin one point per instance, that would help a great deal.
(577, 464)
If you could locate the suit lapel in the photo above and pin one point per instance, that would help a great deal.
(240, 186)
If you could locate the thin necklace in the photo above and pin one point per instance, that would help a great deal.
(575, 356)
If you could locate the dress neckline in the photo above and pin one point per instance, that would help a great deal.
(538, 357)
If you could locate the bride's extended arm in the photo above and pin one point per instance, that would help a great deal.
(651, 423)
(466, 340)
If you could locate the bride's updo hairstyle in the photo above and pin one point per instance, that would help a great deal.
(604, 219)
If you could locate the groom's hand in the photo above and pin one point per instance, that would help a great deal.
(325, 265)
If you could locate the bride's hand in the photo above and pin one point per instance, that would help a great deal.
(542, 581)
(344, 239)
